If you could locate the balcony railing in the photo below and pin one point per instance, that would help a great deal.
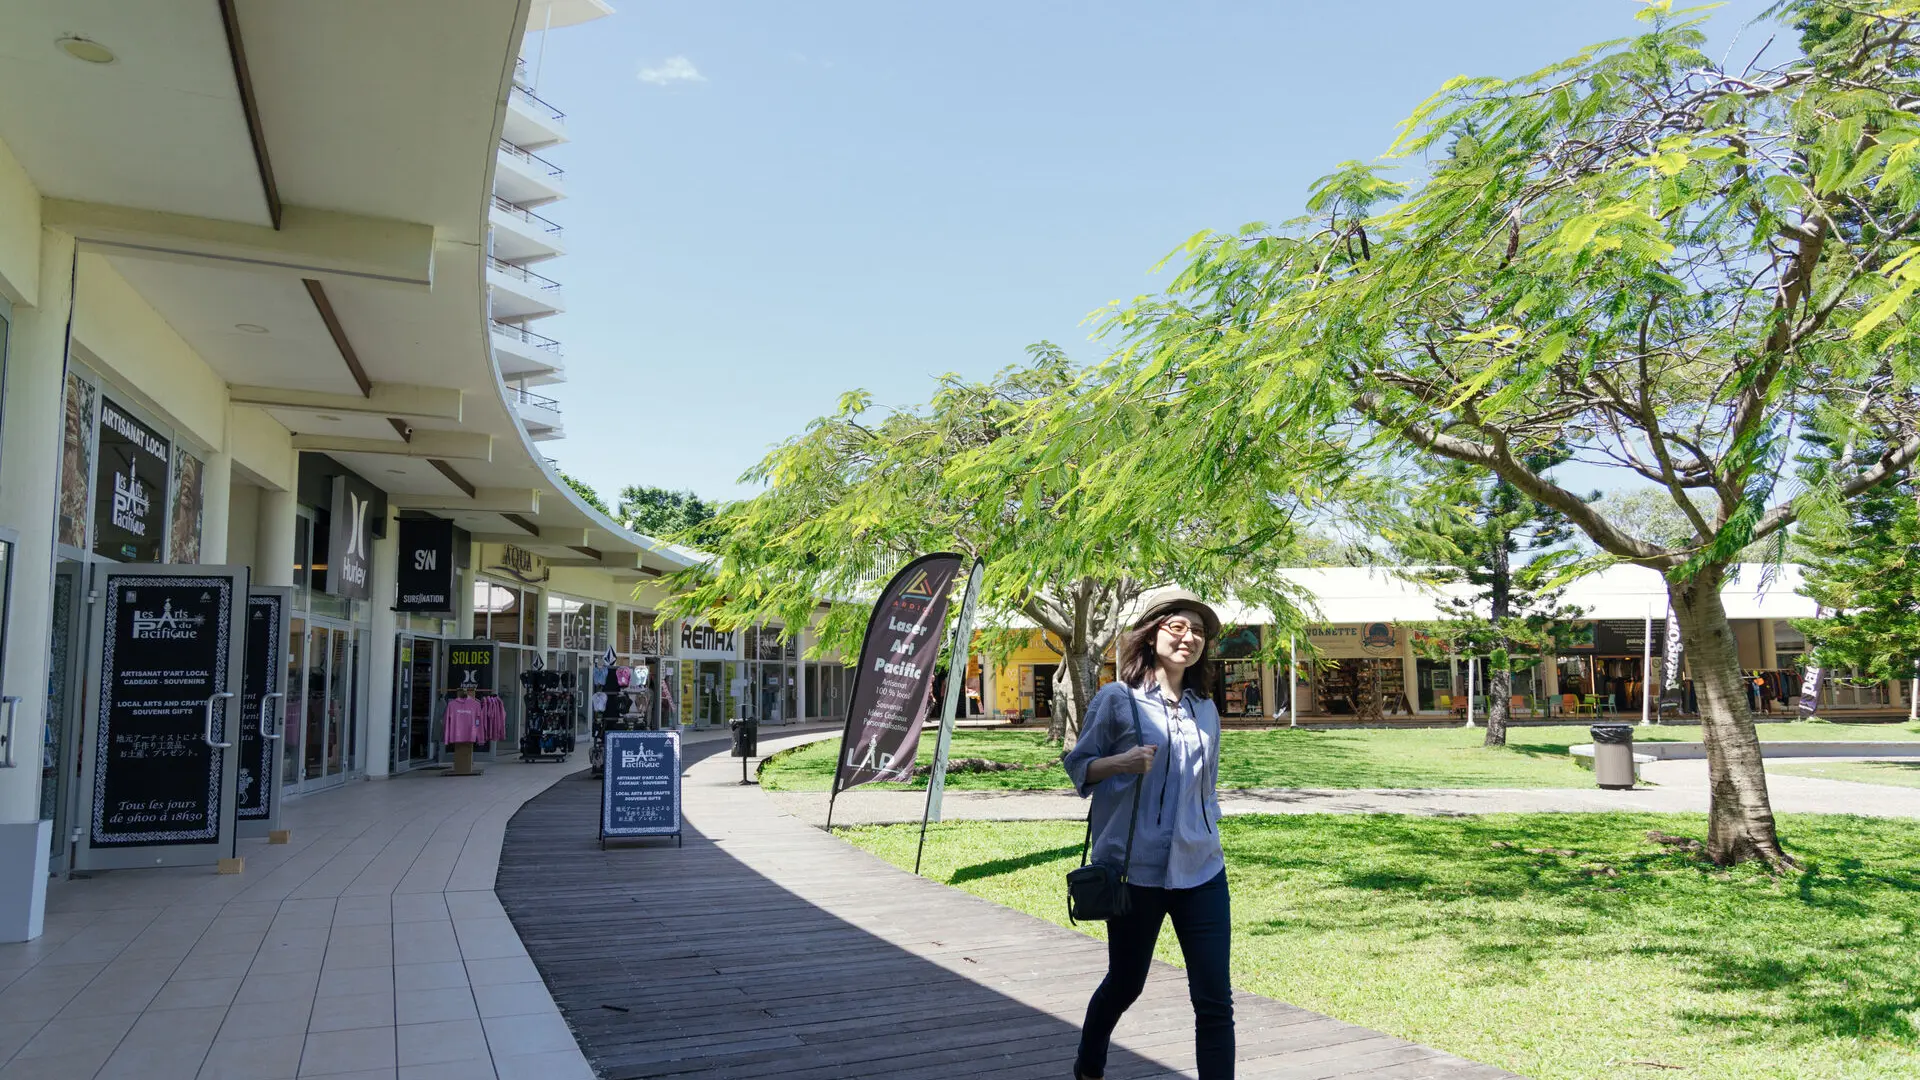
(532, 159)
(520, 71)
(527, 216)
(526, 336)
(533, 99)
(528, 397)
(522, 273)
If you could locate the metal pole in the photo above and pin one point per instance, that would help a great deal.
(1293, 683)
(1470, 660)
(1646, 674)
(1913, 694)
(957, 653)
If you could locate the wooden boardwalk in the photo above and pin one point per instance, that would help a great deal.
(765, 948)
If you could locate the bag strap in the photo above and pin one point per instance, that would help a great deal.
(1134, 822)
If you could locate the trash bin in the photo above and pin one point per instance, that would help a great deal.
(746, 738)
(1613, 755)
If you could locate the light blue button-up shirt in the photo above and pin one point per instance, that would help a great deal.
(1177, 842)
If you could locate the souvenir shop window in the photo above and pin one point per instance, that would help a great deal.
(575, 624)
(183, 534)
(76, 461)
(504, 613)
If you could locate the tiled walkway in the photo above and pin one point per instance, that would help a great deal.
(371, 946)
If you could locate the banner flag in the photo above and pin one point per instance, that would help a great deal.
(895, 675)
(956, 688)
(1670, 660)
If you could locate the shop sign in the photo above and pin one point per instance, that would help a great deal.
(697, 639)
(518, 563)
(129, 488)
(640, 785)
(426, 566)
(166, 649)
(349, 542)
(1626, 637)
(1346, 641)
(895, 674)
(266, 666)
(472, 664)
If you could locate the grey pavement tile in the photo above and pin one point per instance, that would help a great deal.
(420, 907)
(359, 936)
(197, 993)
(507, 970)
(436, 948)
(369, 980)
(88, 1035)
(444, 1040)
(220, 939)
(243, 924)
(430, 1006)
(350, 1011)
(172, 1061)
(175, 1028)
(266, 1019)
(289, 986)
(381, 916)
(280, 961)
(112, 992)
(478, 904)
(357, 956)
(348, 1051)
(15, 1033)
(514, 999)
(214, 965)
(469, 1069)
(274, 1058)
(82, 1062)
(513, 1036)
(492, 948)
(297, 937)
(552, 1065)
(407, 977)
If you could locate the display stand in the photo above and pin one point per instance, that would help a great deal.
(463, 761)
(640, 786)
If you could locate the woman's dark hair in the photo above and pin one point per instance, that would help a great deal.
(1137, 657)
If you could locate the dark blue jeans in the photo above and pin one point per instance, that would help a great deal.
(1202, 919)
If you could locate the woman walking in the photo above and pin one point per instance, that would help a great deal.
(1155, 795)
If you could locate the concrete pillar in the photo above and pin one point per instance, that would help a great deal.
(463, 603)
(1550, 681)
(1769, 649)
(216, 491)
(273, 559)
(29, 479)
(243, 527)
(379, 728)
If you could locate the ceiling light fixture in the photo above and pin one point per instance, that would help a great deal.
(249, 327)
(327, 418)
(398, 472)
(82, 49)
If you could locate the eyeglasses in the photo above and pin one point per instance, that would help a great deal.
(1180, 628)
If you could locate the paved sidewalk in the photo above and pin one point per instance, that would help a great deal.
(1678, 787)
(372, 946)
(764, 948)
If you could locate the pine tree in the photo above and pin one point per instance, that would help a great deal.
(1864, 570)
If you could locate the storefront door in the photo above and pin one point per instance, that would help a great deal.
(59, 756)
(711, 704)
(322, 746)
(416, 683)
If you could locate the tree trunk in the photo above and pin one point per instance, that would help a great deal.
(1499, 704)
(1740, 821)
(1074, 686)
(1500, 679)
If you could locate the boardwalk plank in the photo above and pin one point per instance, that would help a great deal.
(765, 948)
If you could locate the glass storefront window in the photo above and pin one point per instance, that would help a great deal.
(183, 535)
(130, 487)
(76, 462)
(505, 613)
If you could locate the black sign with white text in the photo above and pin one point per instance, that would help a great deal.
(349, 542)
(471, 664)
(129, 488)
(266, 656)
(426, 566)
(155, 779)
(640, 787)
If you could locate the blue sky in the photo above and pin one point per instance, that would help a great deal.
(803, 198)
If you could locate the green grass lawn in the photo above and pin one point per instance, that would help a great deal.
(1583, 958)
(1451, 757)
(1892, 773)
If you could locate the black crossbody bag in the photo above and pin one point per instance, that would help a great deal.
(1097, 891)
